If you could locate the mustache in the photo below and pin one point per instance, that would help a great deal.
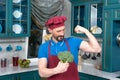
(61, 36)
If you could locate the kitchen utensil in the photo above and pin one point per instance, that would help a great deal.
(88, 55)
(96, 30)
(17, 29)
(118, 39)
(16, 1)
(98, 54)
(18, 48)
(84, 56)
(3, 62)
(9, 48)
(93, 57)
(15, 58)
(17, 13)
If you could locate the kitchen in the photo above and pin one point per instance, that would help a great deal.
(18, 40)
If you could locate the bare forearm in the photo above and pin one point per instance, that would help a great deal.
(92, 45)
(47, 72)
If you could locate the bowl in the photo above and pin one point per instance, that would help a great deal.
(16, 1)
(17, 28)
(17, 14)
(24, 63)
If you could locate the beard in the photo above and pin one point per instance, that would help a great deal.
(59, 38)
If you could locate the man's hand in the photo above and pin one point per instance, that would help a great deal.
(80, 29)
(61, 67)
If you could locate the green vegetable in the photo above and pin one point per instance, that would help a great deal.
(65, 56)
(24, 63)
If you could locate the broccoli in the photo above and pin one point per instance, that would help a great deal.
(65, 56)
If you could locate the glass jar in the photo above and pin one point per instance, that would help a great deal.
(15, 59)
(3, 62)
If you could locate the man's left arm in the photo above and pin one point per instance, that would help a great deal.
(92, 44)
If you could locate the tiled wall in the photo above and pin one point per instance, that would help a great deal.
(7, 43)
(96, 60)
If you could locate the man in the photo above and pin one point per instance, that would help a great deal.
(49, 65)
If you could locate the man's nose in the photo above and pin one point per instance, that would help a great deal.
(62, 33)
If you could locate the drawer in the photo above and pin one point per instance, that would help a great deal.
(112, 2)
(116, 14)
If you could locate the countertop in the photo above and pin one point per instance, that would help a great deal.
(14, 70)
(84, 68)
(91, 70)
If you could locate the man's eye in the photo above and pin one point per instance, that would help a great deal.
(58, 31)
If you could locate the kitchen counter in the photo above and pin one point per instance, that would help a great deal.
(14, 70)
(91, 70)
(84, 68)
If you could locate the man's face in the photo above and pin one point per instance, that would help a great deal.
(58, 33)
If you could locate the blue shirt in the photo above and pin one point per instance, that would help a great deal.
(74, 44)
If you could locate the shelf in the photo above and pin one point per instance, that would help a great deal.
(1, 3)
(8, 17)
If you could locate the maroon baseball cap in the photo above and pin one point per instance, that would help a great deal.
(55, 22)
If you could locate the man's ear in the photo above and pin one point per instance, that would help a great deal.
(50, 30)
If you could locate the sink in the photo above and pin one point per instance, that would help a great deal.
(118, 77)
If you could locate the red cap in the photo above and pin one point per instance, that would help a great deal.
(56, 21)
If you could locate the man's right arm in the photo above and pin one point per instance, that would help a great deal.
(47, 72)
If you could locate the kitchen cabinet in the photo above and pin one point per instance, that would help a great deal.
(108, 19)
(111, 49)
(116, 14)
(31, 75)
(87, 14)
(74, 1)
(111, 2)
(115, 8)
(14, 18)
(84, 76)
(25, 76)
(7, 77)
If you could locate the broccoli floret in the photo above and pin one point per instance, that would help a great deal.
(65, 56)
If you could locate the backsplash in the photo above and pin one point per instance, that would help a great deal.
(90, 58)
(8, 46)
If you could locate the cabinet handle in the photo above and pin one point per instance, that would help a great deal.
(15, 78)
(18, 78)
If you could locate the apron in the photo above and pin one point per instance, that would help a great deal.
(70, 74)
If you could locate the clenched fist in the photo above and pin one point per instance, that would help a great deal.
(80, 29)
(61, 67)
